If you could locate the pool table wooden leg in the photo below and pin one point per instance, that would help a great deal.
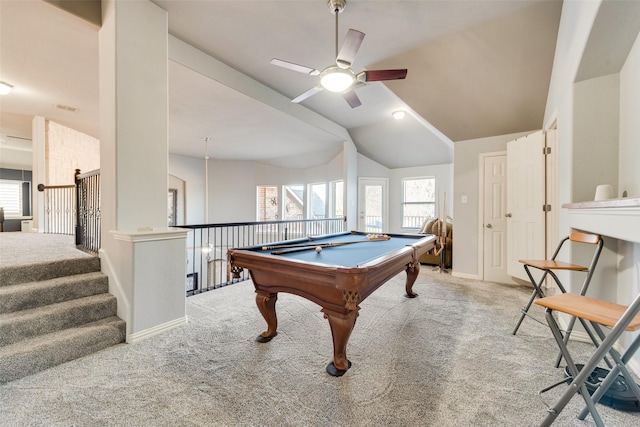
(341, 327)
(267, 305)
(413, 268)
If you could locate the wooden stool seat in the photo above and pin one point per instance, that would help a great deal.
(548, 264)
(594, 310)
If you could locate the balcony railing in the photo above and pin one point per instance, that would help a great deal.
(207, 246)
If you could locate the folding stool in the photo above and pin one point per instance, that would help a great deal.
(598, 313)
(548, 267)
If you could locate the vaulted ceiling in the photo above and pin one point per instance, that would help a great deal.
(475, 69)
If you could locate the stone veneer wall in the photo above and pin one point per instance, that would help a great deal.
(66, 150)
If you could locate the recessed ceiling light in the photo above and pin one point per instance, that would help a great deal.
(5, 88)
(398, 115)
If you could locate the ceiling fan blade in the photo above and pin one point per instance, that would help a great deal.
(307, 94)
(352, 98)
(378, 75)
(295, 67)
(349, 48)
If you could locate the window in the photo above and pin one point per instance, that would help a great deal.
(317, 201)
(336, 208)
(293, 202)
(418, 201)
(267, 203)
(11, 197)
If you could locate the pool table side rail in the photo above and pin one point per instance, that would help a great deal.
(302, 240)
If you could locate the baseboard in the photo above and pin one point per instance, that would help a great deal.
(138, 336)
(465, 275)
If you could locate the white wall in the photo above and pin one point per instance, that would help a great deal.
(629, 149)
(15, 159)
(368, 168)
(232, 185)
(466, 174)
(190, 170)
(67, 150)
(595, 136)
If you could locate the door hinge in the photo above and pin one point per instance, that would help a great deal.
(546, 208)
(546, 150)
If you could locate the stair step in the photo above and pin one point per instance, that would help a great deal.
(37, 354)
(24, 296)
(25, 324)
(12, 275)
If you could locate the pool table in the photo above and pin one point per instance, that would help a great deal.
(336, 271)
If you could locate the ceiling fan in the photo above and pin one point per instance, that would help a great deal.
(339, 77)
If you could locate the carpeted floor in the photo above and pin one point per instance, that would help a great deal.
(28, 248)
(446, 358)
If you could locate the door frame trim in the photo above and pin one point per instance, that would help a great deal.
(481, 161)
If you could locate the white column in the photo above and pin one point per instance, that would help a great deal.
(144, 259)
(39, 172)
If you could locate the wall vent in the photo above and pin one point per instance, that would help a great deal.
(66, 108)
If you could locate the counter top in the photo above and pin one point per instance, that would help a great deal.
(618, 218)
(624, 202)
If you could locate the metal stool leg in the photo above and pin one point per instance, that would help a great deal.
(620, 366)
(605, 347)
(537, 292)
(578, 382)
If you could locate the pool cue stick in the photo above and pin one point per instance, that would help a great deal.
(443, 231)
(293, 245)
(321, 245)
(439, 223)
(304, 245)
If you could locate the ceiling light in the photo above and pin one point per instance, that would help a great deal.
(5, 88)
(398, 115)
(336, 79)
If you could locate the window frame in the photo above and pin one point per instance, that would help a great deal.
(310, 197)
(425, 202)
(333, 198)
(10, 186)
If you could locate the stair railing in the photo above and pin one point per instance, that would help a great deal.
(88, 213)
(74, 209)
(59, 208)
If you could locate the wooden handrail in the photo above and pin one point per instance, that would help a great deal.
(42, 187)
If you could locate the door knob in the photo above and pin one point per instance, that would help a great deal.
(508, 215)
(489, 226)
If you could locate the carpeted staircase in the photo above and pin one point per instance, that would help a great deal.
(54, 312)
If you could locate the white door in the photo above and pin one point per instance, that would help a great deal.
(525, 201)
(372, 205)
(494, 219)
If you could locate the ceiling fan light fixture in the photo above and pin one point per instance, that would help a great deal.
(335, 79)
(5, 88)
(398, 115)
